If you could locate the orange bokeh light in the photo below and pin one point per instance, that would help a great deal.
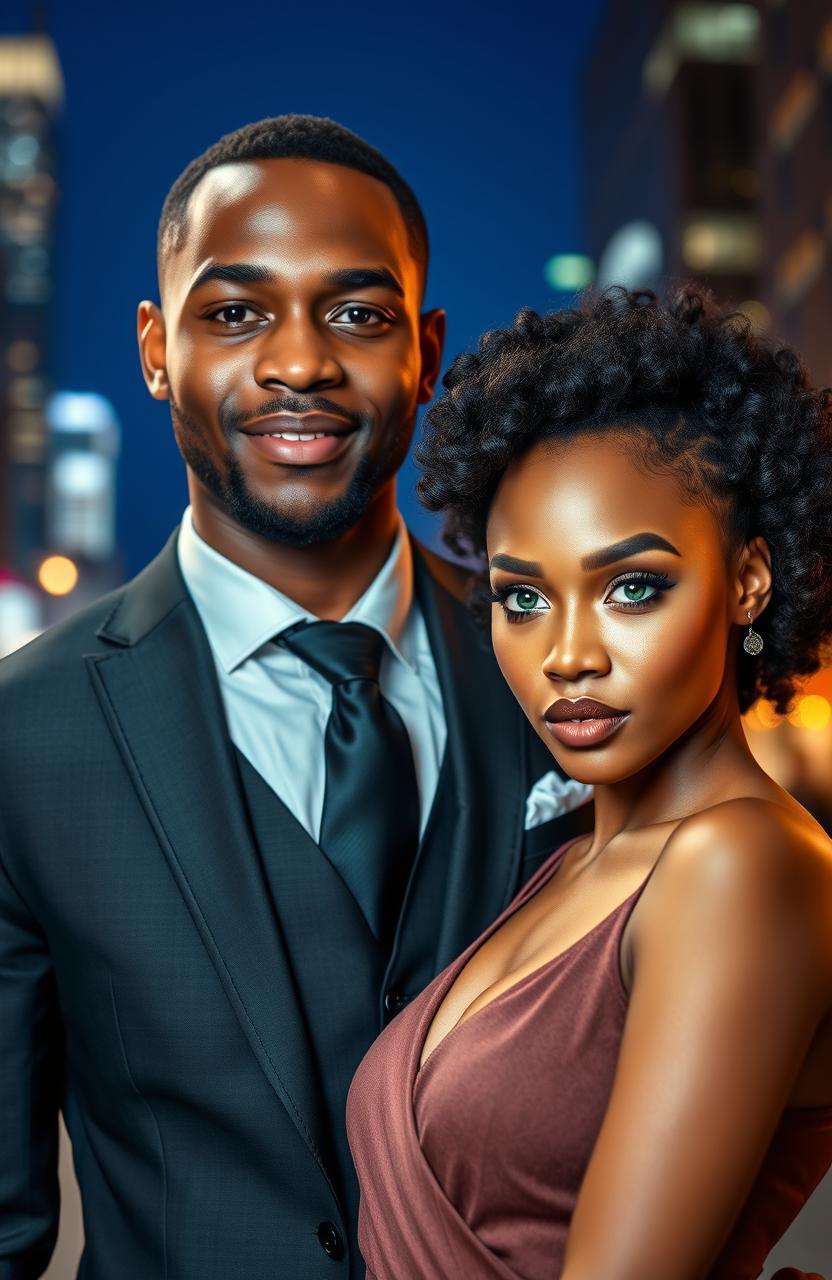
(58, 575)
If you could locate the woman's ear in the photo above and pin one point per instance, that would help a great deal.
(151, 335)
(753, 581)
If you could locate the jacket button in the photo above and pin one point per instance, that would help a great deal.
(395, 1001)
(331, 1242)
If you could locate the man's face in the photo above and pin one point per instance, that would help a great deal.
(291, 310)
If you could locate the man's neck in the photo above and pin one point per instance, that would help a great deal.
(326, 580)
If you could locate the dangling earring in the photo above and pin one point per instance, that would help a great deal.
(753, 642)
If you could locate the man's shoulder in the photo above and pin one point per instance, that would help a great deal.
(60, 644)
(458, 580)
(55, 654)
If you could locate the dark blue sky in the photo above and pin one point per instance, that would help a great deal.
(476, 103)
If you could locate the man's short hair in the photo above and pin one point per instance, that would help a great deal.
(293, 137)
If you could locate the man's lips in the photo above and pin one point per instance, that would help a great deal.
(583, 723)
(300, 439)
(299, 425)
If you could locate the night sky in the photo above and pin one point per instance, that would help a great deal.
(476, 104)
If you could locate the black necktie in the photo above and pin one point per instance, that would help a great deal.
(370, 824)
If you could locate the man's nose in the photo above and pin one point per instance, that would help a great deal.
(296, 353)
(576, 649)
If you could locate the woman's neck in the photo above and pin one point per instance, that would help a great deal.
(711, 763)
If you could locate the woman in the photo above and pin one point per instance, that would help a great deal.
(629, 1075)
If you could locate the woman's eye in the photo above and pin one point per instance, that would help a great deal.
(641, 590)
(520, 602)
(234, 314)
(360, 317)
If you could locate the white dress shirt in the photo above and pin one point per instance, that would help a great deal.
(276, 706)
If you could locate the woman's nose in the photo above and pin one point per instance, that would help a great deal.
(576, 649)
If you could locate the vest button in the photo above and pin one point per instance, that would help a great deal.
(395, 1001)
(331, 1242)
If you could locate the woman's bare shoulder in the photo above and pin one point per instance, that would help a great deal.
(754, 865)
(751, 837)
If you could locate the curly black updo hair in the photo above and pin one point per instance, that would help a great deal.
(700, 393)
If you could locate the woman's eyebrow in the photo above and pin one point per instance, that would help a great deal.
(628, 547)
(513, 565)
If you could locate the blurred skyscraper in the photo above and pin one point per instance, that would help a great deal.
(57, 451)
(795, 132)
(708, 131)
(669, 133)
(31, 90)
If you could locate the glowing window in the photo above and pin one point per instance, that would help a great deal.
(702, 33)
(800, 266)
(721, 243)
(792, 113)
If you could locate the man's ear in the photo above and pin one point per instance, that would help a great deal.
(431, 343)
(151, 335)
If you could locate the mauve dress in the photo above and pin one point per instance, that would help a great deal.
(470, 1168)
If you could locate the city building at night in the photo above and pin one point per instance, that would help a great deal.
(58, 451)
(669, 142)
(795, 135)
(31, 91)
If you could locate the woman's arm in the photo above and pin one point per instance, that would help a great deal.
(732, 975)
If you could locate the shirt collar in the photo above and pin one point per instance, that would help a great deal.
(241, 612)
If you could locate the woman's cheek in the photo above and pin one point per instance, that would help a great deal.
(681, 650)
(520, 665)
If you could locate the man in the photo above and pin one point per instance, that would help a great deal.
(257, 798)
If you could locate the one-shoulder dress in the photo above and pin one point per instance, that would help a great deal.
(470, 1167)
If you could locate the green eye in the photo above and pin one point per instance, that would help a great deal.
(523, 600)
(638, 589)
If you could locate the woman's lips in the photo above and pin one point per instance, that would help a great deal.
(583, 723)
(305, 440)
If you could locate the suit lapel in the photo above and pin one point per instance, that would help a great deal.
(159, 693)
(487, 746)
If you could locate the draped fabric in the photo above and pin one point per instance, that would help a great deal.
(471, 1167)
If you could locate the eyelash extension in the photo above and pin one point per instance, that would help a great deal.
(501, 595)
(660, 581)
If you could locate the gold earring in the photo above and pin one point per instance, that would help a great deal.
(753, 642)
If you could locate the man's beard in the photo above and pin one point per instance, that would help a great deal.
(330, 521)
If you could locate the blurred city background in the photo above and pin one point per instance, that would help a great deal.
(637, 142)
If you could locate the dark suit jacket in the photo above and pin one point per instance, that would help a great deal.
(152, 961)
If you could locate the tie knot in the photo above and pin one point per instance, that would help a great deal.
(339, 651)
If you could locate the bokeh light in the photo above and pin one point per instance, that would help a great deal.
(58, 575)
(811, 712)
(762, 716)
(567, 272)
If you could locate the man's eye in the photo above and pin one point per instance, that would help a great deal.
(361, 317)
(234, 314)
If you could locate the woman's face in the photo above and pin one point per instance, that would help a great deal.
(613, 588)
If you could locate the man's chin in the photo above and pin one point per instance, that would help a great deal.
(292, 527)
(296, 519)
